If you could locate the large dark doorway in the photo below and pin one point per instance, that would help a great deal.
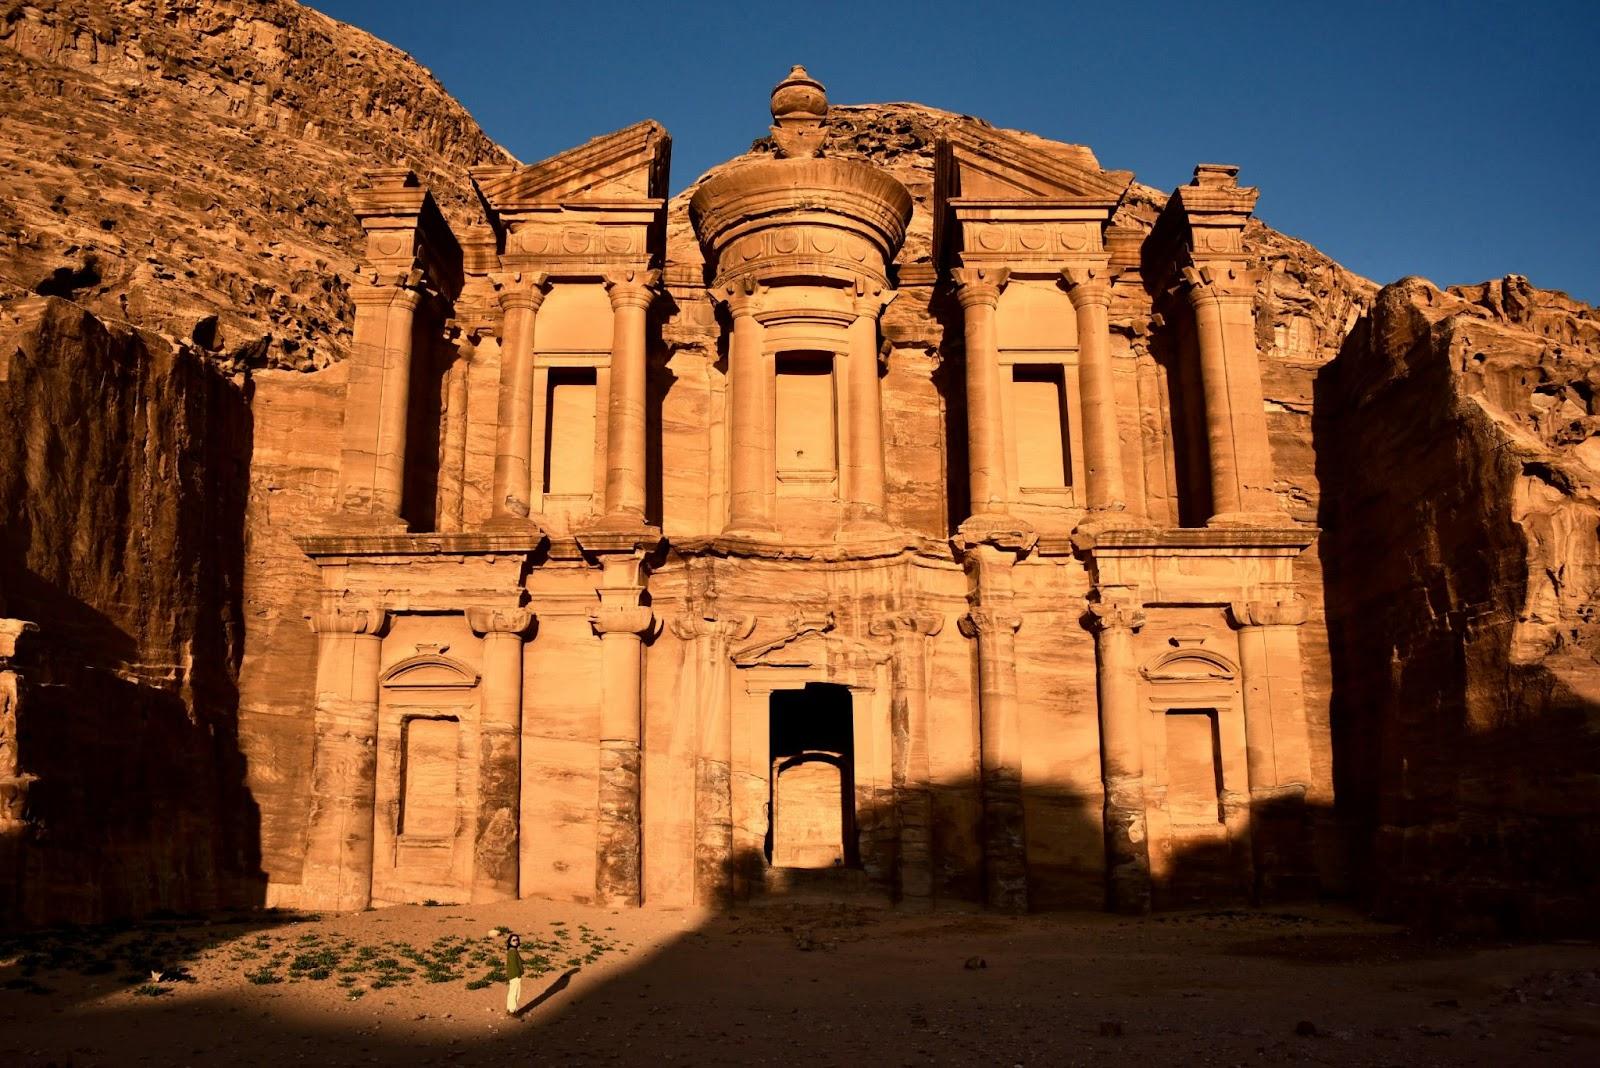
(811, 790)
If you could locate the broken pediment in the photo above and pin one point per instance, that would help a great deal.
(977, 163)
(628, 165)
(803, 646)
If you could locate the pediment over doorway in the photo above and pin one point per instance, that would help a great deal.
(429, 670)
(1189, 665)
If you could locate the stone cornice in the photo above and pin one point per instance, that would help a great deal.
(327, 549)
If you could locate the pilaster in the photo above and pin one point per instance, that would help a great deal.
(495, 857)
(1121, 754)
(709, 670)
(911, 775)
(992, 621)
(1277, 746)
(339, 829)
(622, 621)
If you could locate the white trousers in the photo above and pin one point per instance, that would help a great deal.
(513, 993)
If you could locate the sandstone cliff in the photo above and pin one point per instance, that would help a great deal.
(1458, 450)
(182, 164)
(121, 536)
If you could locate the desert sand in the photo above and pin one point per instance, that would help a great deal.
(823, 983)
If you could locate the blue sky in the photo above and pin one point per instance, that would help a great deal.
(1456, 141)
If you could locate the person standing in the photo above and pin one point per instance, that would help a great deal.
(513, 975)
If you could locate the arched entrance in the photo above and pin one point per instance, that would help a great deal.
(811, 790)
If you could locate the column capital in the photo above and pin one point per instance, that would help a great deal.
(870, 298)
(366, 619)
(742, 295)
(1087, 286)
(910, 624)
(623, 619)
(631, 288)
(520, 289)
(485, 621)
(984, 622)
(1290, 613)
(363, 295)
(980, 286)
(1115, 615)
(1221, 284)
(732, 628)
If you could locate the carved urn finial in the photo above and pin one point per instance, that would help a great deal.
(799, 104)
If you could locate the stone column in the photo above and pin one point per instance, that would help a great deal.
(1236, 422)
(1121, 756)
(621, 621)
(912, 774)
(993, 623)
(520, 298)
(979, 293)
(372, 461)
(338, 858)
(453, 450)
(706, 656)
(631, 293)
(1277, 749)
(752, 467)
(495, 841)
(1102, 450)
(863, 482)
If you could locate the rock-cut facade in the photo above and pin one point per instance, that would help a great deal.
(670, 557)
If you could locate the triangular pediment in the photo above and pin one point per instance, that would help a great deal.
(628, 165)
(986, 164)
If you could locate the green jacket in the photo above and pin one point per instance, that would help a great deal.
(513, 964)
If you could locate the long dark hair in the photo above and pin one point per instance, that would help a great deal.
(512, 937)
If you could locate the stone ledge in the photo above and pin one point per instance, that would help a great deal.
(1296, 539)
(474, 543)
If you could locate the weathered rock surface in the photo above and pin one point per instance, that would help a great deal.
(122, 537)
(1460, 459)
(182, 165)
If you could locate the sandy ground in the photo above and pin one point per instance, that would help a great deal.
(827, 984)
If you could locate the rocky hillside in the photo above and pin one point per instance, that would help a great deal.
(1460, 463)
(181, 164)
